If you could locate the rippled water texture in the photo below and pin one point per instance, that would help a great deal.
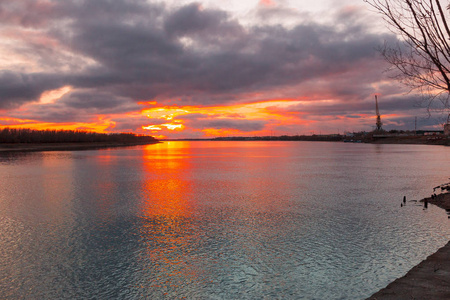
(217, 220)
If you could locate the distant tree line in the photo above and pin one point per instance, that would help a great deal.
(13, 135)
(330, 137)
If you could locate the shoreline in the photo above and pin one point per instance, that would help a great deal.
(430, 279)
(32, 147)
(412, 140)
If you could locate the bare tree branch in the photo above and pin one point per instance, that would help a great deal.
(422, 58)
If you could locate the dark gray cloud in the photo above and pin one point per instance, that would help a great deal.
(96, 100)
(78, 106)
(18, 88)
(238, 124)
(409, 123)
(149, 51)
(353, 109)
(192, 20)
(127, 124)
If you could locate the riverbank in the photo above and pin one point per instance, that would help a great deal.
(411, 140)
(28, 147)
(359, 138)
(428, 280)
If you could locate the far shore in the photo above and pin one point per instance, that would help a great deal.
(34, 147)
(428, 280)
(28, 147)
(441, 140)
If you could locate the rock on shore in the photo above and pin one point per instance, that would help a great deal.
(428, 280)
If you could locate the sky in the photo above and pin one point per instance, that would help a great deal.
(183, 69)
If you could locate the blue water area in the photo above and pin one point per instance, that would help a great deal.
(217, 220)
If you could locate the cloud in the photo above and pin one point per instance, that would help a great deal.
(354, 109)
(199, 52)
(78, 106)
(193, 20)
(115, 54)
(19, 88)
(241, 125)
(88, 99)
(133, 123)
(26, 13)
(201, 121)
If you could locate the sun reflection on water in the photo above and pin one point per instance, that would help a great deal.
(167, 228)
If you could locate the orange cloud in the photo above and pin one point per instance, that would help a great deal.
(258, 118)
(169, 126)
(181, 117)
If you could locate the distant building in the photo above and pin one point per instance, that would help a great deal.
(429, 132)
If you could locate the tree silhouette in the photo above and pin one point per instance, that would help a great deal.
(12, 135)
(422, 58)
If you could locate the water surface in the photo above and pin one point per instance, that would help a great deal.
(217, 220)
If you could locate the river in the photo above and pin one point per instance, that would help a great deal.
(217, 220)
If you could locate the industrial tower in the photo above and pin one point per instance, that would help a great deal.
(378, 124)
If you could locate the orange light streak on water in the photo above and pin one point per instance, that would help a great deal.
(165, 213)
(166, 191)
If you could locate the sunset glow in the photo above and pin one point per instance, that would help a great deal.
(212, 121)
(259, 67)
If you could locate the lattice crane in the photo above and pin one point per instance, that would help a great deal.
(378, 123)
